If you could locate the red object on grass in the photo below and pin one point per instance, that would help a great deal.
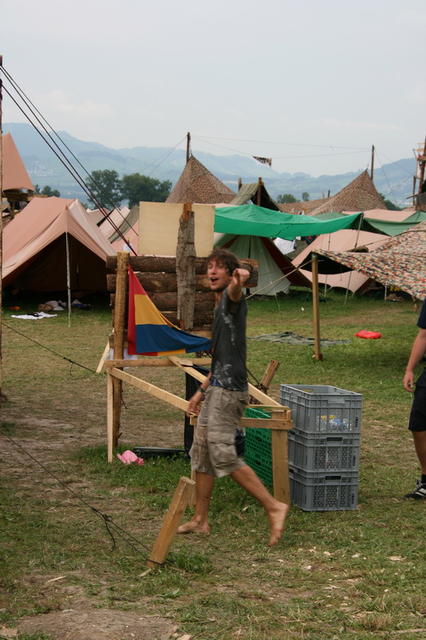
(368, 334)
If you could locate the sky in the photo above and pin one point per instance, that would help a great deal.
(312, 84)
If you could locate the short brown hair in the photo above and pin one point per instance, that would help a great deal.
(225, 258)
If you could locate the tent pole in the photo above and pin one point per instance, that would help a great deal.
(2, 396)
(67, 251)
(317, 355)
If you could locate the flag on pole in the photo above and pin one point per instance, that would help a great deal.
(149, 333)
(263, 160)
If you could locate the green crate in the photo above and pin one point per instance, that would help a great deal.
(258, 452)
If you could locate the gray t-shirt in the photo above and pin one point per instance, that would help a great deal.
(229, 343)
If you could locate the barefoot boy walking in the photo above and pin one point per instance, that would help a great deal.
(220, 401)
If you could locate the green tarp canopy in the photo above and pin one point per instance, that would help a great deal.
(251, 220)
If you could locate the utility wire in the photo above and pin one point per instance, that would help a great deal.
(59, 153)
(107, 520)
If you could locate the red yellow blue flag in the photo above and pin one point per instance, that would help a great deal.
(149, 333)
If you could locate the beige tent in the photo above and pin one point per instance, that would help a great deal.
(54, 242)
(346, 240)
(15, 175)
(198, 184)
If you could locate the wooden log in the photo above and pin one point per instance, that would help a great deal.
(181, 497)
(110, 416)
(160, 282)
(204, 301)
(268, 375)
(185, 269)
(156, 264)
(202, 321)
(152, 361)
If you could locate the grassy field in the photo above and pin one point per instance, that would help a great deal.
(343, 574)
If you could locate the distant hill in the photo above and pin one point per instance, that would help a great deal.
(394, 180)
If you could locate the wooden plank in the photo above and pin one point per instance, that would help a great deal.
(101, 363)
(269, 374)
(151, 361)
(280, 476)
(157, 392)
(266, 423)
(110, 412)
(171, 522)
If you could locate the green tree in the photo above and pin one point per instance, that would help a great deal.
(47, 191)
(106, 185)
(137, 187)
(286, 198)
(305, 196)
(389, 204)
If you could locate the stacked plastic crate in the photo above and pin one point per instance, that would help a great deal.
(324, 446)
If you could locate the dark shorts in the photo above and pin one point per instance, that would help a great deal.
(213, 449)
(417, 421)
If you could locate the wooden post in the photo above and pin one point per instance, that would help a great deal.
(259, 192)
(2, 396)
(317, 355)
(119, 319)
(280, 477)
(185, 269)
(171, 522)
(372, 163)
(268, 375)
(110, 416)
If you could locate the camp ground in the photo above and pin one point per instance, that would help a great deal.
(86, 534)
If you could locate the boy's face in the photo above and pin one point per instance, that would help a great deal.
(218, 275)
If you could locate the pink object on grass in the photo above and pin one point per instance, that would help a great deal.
(127, 457)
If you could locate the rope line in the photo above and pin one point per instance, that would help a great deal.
(107, 519)
(43, 346)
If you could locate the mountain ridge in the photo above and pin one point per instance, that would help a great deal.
(393, 180)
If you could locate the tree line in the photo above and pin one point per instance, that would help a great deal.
(110, 190)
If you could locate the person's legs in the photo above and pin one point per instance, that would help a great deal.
(419, 438)
(276, 511)
(203, 491)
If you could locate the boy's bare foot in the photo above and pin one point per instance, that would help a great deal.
(194, 526)
(277, 517)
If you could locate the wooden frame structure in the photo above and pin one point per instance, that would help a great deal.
(279, 422)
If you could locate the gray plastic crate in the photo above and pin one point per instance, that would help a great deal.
(337, 452)
(324, 491)
(322, 409)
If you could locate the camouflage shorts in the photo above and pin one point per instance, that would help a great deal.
(213, 448)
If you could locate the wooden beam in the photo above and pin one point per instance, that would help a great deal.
(110, 418)
(269, 374)
(101, 363)
(181, 497)
(280, 477)
(157, 392)
(151, 361)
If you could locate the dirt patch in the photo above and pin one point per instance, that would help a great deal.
(96, 624)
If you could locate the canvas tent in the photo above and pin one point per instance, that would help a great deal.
(16, 183)
(50, 237)
(376, 227)
(256, 193)
(198, 184)
(400, 262)
(249, 230)
(358, 195)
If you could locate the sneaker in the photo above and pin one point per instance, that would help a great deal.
(419, 492)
